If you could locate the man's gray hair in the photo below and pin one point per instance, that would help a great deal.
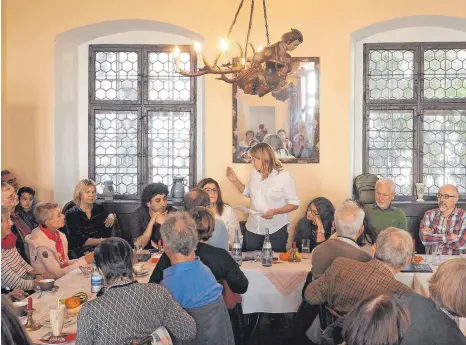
(394, 247)
(386, 180)
(349, 218)
(179, 233)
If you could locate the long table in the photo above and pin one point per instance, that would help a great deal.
(262, 295)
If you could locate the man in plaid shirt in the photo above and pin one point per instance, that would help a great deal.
(445, 226)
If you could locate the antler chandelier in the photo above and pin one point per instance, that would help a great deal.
(266, 71)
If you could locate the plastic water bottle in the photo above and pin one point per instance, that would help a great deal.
(236, 252)
(267, 253)
(96, 281)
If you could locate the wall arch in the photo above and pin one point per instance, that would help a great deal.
(71, 90)
(405, 29)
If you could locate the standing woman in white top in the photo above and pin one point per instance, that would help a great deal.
(221, 210)
(273, 193)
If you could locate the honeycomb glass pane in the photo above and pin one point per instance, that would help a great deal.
(390, 139)
(445, 73)
(170, 150)
(391, 74)
(116, 76)
(444, 148)
(116, 146)
(164, 83)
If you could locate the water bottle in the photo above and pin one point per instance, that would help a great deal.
(267, 253)
(96, 281)
(236, 252)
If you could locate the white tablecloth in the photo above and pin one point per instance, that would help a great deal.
(70, 284)
(420, 283)
(263, 296)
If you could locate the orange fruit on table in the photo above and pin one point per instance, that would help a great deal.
(72, 302)
(284, 256)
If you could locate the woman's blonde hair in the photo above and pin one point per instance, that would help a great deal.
(446, 286)
(80, 188)
(268, 158)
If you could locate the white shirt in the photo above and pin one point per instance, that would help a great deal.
(276, 191)
(231, 222)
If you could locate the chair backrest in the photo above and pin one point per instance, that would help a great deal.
(231, 299)
(70, 204)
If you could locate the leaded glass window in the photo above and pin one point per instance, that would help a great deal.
(142, 117)
(415, 115)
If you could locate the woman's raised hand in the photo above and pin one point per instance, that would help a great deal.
(231, 174)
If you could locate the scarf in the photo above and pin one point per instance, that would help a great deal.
(9, 242)
(58, 245)
(20, 225)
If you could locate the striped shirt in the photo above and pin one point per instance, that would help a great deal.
(15, 271)
(455, 223)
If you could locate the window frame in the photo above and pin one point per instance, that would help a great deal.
(418, 104)
(142, 106)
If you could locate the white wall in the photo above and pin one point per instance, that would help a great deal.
(71, 101)
(409, 34)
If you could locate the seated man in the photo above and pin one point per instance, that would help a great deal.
(382, 214)
(349, 219)
(192, 284)
(9, 178)
(445, 226)
(48, 247)
(348, 281)
(199, 197)
(146, 220)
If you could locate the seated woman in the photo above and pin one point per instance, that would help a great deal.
(246, 143)
(125, 309)
(221, 210)
(218, 260)
(48, 247)
(277, 145)
(24, 209)
(317, 223)
(87, 223)
(17, 274)
(378, 320)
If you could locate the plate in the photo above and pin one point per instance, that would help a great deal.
(65, 338)
(143, 273)
(45, 321)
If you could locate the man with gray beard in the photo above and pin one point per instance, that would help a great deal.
(445, 226)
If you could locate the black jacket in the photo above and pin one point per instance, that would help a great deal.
(79, 228)
(218, 260)
(429, 325)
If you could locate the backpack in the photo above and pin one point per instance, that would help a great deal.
(364, 188)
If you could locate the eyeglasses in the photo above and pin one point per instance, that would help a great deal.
(213, 190)
(315, 213)
(445, 196)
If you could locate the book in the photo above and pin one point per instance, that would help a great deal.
(417, 268)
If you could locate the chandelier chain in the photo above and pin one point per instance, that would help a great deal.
(236, 17)
(249, 29)
(266, 24)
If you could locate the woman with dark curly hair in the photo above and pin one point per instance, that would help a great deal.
(316, 225)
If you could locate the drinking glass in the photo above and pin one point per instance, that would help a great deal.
(137, 246)
(57, 319)
(436, 255)
(306, 248)
(257, 255)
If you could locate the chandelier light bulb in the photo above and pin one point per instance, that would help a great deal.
(223, 45)
(176, 56)
(197, 47)
(260, 48)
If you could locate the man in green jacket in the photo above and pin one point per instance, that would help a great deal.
(382, 214)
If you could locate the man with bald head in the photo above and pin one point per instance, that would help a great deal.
(445, 226)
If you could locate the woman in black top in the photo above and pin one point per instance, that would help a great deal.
(218, 260)
(87, 224)
(316, 225)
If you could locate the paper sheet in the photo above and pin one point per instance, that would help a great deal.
(247, 210)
